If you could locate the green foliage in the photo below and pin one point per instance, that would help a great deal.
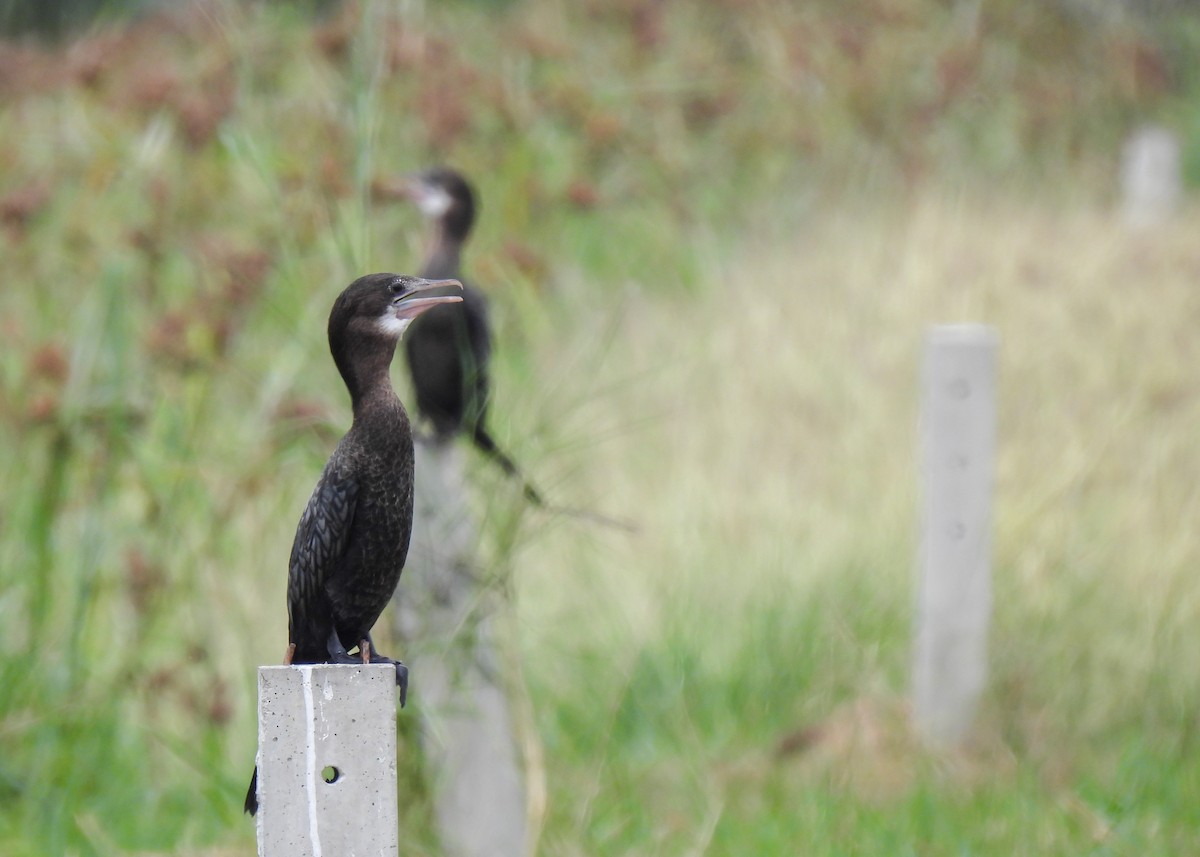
(714, 234)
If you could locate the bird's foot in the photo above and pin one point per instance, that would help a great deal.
(338, 653)
(367, 654)
(367, 648)
(291, 653)
(401, 675)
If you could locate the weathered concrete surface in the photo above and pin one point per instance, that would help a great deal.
(327, 761)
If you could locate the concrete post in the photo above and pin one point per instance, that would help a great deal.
(954, 596)
(1151, 177)
(444, 615)
(327, 761)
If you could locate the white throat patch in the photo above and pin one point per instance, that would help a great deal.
(434, 202)
(392, 326)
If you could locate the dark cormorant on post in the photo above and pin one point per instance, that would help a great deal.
(449, 348)
(353, 537)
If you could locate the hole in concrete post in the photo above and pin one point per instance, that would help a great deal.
(330, 774)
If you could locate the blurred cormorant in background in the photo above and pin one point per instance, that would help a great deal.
(448, 349)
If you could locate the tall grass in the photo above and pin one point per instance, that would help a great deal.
(715, 235)
(769, 599)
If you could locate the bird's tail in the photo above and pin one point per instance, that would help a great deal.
(486, 444)
(251, 805)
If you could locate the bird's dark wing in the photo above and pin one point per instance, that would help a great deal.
(436, 370)
(479, 325)
(475, 352)
(321, 539)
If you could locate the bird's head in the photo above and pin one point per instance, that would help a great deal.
(445, 197)
(383, 305)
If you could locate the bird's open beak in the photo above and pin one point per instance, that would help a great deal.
(431, 200)
(407, 306)
(410, 187)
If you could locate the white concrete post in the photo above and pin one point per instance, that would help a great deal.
(954, 594)
(327, 761)
(444, 613)
(1151, 176)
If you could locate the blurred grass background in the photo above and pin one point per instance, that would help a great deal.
(714, 234)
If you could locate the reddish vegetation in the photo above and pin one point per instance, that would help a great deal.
(88, 60)
(583, 194)
(43, 408)
(443, 99)
(334, 36)
(1145, 72)
(144, 577)
(239, 276)
(333, 176)
(28, 70)
(151, 85)
(527, 260)
(297, 416)
(220, 707)
(647, 26)
(45, 375)
(202, 110)
(542, 47)
(797, 741)
(302, 412)
(603, 129)
(18, 207)
(702, 111)
(167, 340)
(49, 363)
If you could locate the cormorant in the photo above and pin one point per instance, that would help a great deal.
(449, 348)
(352, 539)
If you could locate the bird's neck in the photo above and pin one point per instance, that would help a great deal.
(369, 380)
(380, 397)
(445, 253)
